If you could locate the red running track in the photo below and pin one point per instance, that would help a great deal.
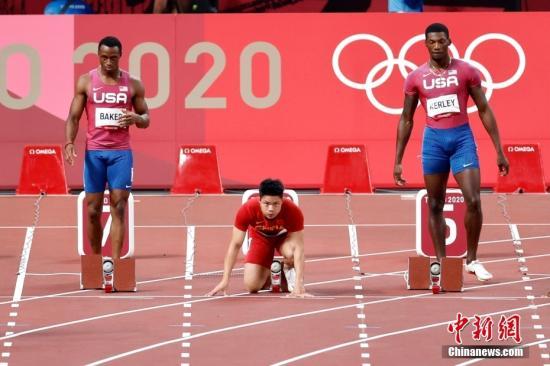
(352, 320)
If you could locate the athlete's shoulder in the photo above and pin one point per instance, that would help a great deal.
(252, 204)
(463, 65)
(83, 83)
(134, 82)
(291, 206)
(418, 72)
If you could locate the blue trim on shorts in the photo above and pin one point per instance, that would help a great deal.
(113, 168)
(450, 149)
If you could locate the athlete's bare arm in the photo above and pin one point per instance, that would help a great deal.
(75, 112)
(296, 239)
(235, 244)
(490, 124)
(404, 130)
(140, 115)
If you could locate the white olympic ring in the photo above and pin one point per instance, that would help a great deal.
(402, 63)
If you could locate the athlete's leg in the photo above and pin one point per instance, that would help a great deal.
(94, 209)
(119, 201)
(258, 260)
(465, 167)
(95, 176)
(286, 249)
(119, 176)
(255, 276)
(469, 182)
(436, 186)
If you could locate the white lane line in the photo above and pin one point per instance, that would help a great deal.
(190, 252)
(385, 335)
(25, 253)
(105, 316)
(62, 294)
(20, 282)
(358, 287)
(267, 321)
(189, 269)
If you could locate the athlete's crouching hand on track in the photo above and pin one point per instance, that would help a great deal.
(220, 287)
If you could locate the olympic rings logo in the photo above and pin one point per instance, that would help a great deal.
(370, 84)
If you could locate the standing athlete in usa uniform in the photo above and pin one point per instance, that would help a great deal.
(114, 101)
(443, 86)
(273, 223)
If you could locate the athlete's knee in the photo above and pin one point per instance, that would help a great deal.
(252, 285)
(473, 204)
(94, 211)
(118, 208)
(435, 205)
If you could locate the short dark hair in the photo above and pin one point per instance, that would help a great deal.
(437, 27)
(271, 187)
(110, 41)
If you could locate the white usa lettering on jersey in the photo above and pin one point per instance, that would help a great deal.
(440, 82)
(110, 97)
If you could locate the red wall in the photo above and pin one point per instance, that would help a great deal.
(288, 137)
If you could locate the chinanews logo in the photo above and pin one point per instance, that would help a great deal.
(347, 149)
(528, 149)
(47, 151)
(197, 150)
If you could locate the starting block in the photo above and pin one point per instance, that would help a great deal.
(419, 273)
(452, 274)
(42, 170)
(453, 211)
(197, 170)
(526, 171)
(346, 169)
(103, 272)
(91, 275)
(448, 276)
(250, 193)
(124, 276)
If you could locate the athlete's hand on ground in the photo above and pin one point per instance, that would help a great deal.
(397, 175)
(503, 165)
(222, 286)
(299, 293)
(69, 153)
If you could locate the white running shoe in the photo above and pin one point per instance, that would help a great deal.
(477, 268)
(290, 275)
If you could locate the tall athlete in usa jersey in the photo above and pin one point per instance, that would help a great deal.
(114, 101)
(443, 86)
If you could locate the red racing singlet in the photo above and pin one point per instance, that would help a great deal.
(104, 106)
(289, 220)
(443, 93)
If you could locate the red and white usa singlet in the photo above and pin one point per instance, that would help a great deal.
(105, 104)
(443, 93)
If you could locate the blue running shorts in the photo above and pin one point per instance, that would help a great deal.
(114, 167)
(451, 149)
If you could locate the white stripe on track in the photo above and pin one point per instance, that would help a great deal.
(25, 253)
(190, 252)
(351, 343)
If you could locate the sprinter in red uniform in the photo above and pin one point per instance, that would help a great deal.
(114, 101)
(443, 86)
(273, 223)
